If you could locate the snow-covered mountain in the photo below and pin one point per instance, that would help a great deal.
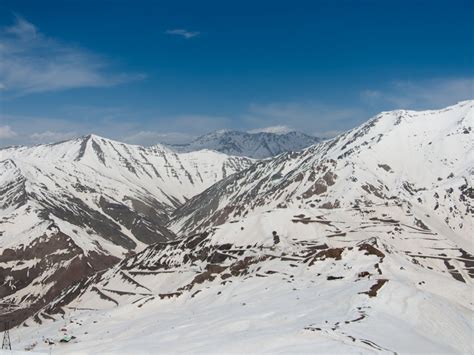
(424, 159)
(346, 246)
(70, 209)
(254, 145)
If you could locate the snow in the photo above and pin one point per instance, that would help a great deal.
(277, 313)
(385, 267)
(156, 170)
(53, 171)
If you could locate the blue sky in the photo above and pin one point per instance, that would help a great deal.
(149, 71)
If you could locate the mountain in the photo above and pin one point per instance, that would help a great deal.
(70, 209)
(254, 145)
(346, 246)
(421, 158)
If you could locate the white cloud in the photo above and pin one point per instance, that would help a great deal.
(195, 124)
(22, 29)
(370, 96)
(281, 129)
(304, 116)
(49, 136)
(32, 62)
(112, 122)
(7, 132)
(286, 112)
(310, 116)
(422, 95)
(182, 33)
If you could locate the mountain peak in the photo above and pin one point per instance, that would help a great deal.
(97, 138)
(256, 145)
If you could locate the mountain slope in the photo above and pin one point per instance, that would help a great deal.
(254, 145)
(89, 202)
(346, 246)
(340, 282)
(421, 159)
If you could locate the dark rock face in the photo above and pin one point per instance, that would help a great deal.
(13, 192)
(374, 289)
(83, 216)
(35, 272)
(49, 264)
(147, 227)
(53, 261)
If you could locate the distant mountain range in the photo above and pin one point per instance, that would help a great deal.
(253, 145)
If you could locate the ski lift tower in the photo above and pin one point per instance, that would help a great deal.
(6, 343)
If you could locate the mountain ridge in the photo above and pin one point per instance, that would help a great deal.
(93, 200)
(259, 145)
(286, 169)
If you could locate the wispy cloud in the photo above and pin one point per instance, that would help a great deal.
(309, 116)
(51, 136)
(112, 122)
(425, 94)
(6, 132)
(312, 117)
(301, 110)
(32, 62)
(182, 33)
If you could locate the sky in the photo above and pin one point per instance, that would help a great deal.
(145, 72)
